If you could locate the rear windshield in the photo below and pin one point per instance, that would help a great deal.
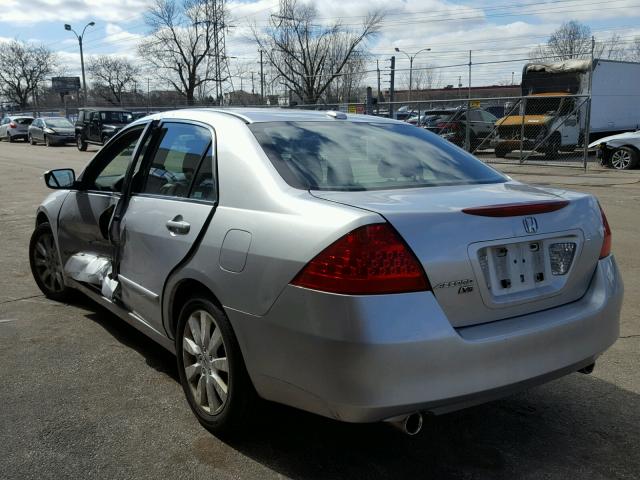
(366, 156)
(23, 120)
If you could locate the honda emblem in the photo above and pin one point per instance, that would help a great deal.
(530, 224)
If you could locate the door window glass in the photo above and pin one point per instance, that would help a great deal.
(175, 162)
(111, 176)
(204, 185)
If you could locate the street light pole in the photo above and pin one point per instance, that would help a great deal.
(79, 37)
(411, 58)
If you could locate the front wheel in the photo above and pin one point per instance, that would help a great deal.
(624, 158)
(211, 368)
(80, 143)
(47, 142)
(45, 264)
(31, 140)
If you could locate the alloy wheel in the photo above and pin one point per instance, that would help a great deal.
(47, 264)
(621, 159)
(205, 362)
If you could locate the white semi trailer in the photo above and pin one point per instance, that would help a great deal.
(553, 113)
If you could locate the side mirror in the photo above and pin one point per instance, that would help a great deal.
(60, 178)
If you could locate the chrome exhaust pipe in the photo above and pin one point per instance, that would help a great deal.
(409, 425)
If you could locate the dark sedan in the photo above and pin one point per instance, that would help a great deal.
(51, 131)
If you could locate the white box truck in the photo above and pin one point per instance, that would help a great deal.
(553, 107)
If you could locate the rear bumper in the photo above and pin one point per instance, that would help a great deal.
(364, 359)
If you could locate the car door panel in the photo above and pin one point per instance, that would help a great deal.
(150, 250)
(164, 218)
(82, 221)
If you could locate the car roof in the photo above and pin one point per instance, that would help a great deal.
(104, 109)
(260, 115)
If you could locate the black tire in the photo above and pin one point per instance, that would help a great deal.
(241, 397)
(553, 147)
(624, 158)
(50, 290)
(104, 139)
(10, 138)
(501, 150)
(47, 142)
(80, 143)
(31, 140)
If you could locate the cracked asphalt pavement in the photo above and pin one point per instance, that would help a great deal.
(86, 396)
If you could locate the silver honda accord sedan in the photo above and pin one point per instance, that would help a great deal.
(356, 267)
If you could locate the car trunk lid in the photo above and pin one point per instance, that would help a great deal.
(485, 266)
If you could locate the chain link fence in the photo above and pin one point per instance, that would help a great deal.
(532, 130)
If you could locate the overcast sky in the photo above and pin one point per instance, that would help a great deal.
(494, 30)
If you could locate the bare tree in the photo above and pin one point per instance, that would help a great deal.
(309, 56)
(633, 53)
(424, 77)
(611, 49)
(571, 41)
(112, 76)
(182, 45)
(23, 68)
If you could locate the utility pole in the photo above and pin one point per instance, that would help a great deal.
(261, 79)
(512, 77)
(79, 37)
(411, 58)
(148, 95)
(467, 139)
(378, 71)
(392, 82)
(459, 86)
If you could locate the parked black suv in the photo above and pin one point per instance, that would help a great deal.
(97, 125)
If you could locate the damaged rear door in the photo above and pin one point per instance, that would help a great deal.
(165, 214)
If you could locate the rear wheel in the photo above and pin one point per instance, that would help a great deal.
(502, 150)
(553, 146)
(31, 140)
(80, 143)
(10, 138)
(45, 264)
(211, 368)
(624, 158)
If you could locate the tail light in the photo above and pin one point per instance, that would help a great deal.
(369, 260)
(605, 251)
(12, 125)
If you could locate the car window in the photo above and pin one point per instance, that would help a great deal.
(474, 116)
(110, 177)
(488, 117)
(24, 120)
(204, 185)
(175, 162)
(116, 117)
(366, 156)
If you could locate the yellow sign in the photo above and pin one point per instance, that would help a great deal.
(475, 103)
(352, 109)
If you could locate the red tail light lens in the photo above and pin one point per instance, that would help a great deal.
(12, 125)
(605, 251)
(369, 260)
